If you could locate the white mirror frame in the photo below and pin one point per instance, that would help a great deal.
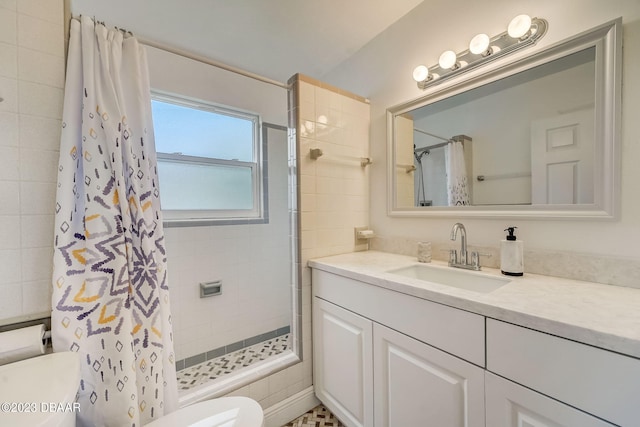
(607, 39)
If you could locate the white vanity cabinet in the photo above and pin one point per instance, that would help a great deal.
(409, 361)
(364, 358)
(343, 364)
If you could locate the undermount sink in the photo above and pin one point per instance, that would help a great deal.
(448, 276)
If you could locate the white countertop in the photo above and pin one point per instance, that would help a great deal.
(605, 316)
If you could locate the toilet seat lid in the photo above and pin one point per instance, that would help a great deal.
(233, 411)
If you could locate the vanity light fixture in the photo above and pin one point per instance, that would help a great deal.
(421, 74)
(523, 31)
(519, 27)
(479, 45)
(449, 60)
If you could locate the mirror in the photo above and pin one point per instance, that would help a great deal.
(537, 137)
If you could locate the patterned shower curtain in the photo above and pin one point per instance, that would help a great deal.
(457, 184)
(110, 296)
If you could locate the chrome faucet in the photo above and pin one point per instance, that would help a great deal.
(462, 260)
(463, 240)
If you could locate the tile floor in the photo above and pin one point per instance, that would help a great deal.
(317, 417)
(215, 368)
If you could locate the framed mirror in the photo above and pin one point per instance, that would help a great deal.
(536, 138)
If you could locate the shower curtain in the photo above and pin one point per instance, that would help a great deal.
(110, 298)
(457, 185)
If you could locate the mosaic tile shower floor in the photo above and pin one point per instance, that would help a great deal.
(215, 368)
(317, 417)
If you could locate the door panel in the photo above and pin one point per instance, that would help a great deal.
(343, 368)
(418, 385)
(562, 151)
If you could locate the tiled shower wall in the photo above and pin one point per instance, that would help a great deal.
(333, 189)
(31, 81)
(333, 194)
(252, 260)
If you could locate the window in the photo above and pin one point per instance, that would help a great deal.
(208, 161)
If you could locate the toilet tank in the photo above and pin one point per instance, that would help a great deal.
(40, 391)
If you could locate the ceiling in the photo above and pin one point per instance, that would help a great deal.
(273, 38)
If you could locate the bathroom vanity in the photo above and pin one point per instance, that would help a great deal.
(396, 349)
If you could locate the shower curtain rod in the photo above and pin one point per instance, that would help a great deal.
(442, 144)
(203, 59)
(431, 147)
(430, 134)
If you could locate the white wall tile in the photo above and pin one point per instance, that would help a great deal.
(10, 196)
(8, 129)
(38, 165)
(10, 300)
(9, 160)
(37, 198)
(8, 26)
(8, 4)
(9, 94)
(36, 296)
(259, 390)
(10, 232)
(40, 35)
(39, 132)
(10, 266)
(36, 231)
(8, 60)
(29, 123)
(40, 100)
(47, 10)
(307, 93)
(37, 264)
(39, 67)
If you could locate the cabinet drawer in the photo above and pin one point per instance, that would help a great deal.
(596, 381)
(452, 330)
(511, 405)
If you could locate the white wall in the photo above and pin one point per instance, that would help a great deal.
(382, 70)
(31, 81)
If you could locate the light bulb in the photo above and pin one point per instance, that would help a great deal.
(447, 59)
(420, 73)
(479, 44)
(519, 26)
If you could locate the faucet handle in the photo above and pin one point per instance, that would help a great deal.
(475, 258)
(453, 256)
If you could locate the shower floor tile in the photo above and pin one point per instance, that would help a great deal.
(317, 417)
(215, 368)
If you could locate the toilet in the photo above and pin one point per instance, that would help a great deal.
(233, 411)
(53, 379)
(47, 382)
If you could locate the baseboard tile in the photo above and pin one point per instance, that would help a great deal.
(291, 408)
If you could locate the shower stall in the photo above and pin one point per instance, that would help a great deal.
(248, 266)
(231, 282)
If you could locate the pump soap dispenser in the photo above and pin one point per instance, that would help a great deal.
(511, 254)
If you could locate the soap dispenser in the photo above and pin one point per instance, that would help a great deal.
(511, 254)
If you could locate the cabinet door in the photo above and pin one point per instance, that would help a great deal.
(419, 385)
(343, 365)
(511, 405)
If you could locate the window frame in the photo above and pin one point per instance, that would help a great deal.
(198, 217)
